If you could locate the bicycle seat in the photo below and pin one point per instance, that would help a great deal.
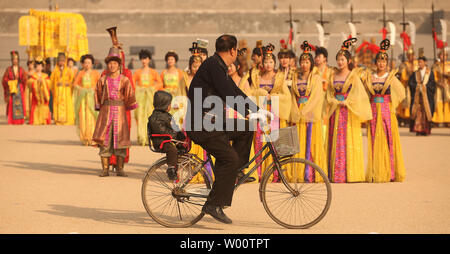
(182, 146)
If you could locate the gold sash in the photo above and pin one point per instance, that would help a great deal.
(12, 84)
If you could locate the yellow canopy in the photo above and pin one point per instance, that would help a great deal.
(47, 33)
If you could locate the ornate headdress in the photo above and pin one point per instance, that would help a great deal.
(306, 47)
(384, 46)
(195, 49)
(346, 45)
(113, 55)
(269, 51)
(113, 34)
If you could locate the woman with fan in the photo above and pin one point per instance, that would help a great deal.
(306, 112)
(348, 106)
(385, 159)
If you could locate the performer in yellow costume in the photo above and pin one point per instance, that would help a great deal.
(349, 106)
(407, 68)
(147, 82)
(62, 87)
(306, 112)
(256, 66)
(171, 78)
(31, 71)
(270, 92)
(441, 71)
(39, 84)
(84, 87)
(385, 158)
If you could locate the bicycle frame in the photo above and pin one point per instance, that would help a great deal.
(272, 152)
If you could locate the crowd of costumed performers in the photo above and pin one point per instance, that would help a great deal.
(330, 106)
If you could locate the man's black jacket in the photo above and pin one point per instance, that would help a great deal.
(212, 79)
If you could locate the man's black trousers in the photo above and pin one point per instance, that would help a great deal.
(229, 158)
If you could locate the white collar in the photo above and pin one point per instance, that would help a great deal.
(382, 77)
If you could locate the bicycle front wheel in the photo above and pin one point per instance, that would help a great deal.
(177, 203)
(301, 198)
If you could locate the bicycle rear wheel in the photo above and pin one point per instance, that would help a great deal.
(176, 203)
(302, 197)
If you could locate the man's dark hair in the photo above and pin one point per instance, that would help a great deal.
(225, 43)
(323, 51)
(423, 58)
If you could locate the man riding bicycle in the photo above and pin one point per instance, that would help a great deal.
(207, 126)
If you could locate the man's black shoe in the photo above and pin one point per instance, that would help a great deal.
(248, 180)
(217, 213)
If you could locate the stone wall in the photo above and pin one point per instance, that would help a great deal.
(173, 25)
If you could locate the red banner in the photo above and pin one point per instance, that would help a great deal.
(384, 32)
(439, 43)
(406, 41)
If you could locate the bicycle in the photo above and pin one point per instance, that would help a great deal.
(179, 203)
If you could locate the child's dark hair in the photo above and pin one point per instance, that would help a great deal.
(162, 100)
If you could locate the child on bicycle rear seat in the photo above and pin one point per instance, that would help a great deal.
(161, 122)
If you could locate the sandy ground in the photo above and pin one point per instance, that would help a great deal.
(49, 184)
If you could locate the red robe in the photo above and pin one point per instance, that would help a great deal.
(19, 101)
(126, 72)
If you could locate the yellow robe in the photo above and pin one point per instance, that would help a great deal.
(281, 107)
(358, 105)
(379, 162)
(325, 76)
(308, 113)
(62, 89)
(39, 99)
(146, 86)
(442, 97)
(83, 97)
(406, 70)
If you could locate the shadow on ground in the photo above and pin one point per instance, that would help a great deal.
(138, 170)
(50, 142)
(120, 217)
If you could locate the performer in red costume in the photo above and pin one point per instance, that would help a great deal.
(126, 72)
(14, 82)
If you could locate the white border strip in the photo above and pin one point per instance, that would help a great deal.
(241, 11)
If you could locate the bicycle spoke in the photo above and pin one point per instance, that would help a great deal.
(168, 202)
(302, 208)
